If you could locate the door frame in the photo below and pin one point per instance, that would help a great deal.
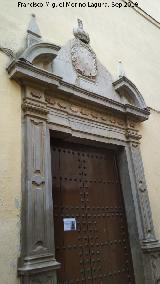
(45, 113)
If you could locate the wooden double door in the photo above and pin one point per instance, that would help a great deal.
(91, 237)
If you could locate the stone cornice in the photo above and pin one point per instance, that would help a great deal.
(33, 51)
(23, 71)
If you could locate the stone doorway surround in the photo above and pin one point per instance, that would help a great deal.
(66, 90)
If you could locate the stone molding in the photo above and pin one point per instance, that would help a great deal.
(23, 71)
(125, 87)
(55, 105)
(45, 110)
(36, 49)
(32, 108)
(34, 104)
(80, 110)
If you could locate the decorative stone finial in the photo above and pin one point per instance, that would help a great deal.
(121, 71)
(80, 33)
(33, 27)
(33, 31)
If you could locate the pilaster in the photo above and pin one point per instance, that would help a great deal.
(149, 244)
(37, 213)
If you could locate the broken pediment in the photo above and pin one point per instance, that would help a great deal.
(128, 92)
(75, 69)
(38, 52)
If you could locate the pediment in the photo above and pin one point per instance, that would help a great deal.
(128, 91)
(75, 70)
(40, 51)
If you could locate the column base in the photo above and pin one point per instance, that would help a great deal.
(151, 257)
(39, 269)
(40, 278)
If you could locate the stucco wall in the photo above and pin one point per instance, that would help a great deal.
(10, 175)
(116, 34)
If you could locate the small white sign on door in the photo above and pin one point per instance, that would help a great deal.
(69, 224)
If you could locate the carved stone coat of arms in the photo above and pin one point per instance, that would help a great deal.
(84, 60)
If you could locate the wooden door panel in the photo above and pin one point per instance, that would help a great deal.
(69, 163)
(100, 165)
(114, 227)
(111, 190)
(86, 187)
(58, 224)
(93, 201)
(72, 253)
(70, 194)
(115, 196)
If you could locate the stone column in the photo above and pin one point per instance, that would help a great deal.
(149, 244)
(37, 263)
